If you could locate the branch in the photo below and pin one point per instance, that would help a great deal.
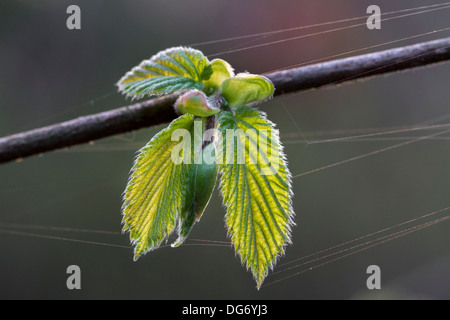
(160, 110)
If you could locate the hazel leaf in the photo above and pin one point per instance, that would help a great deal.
(256, 188)
(156, 191)
(168, 71)
(201, 182)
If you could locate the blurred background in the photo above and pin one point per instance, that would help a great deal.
(50, 74)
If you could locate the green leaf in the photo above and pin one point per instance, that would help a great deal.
(201, 185)
(244, 89)
(256, 189)
(202, 179)
(168, 71)
(156, 192)
(171, 184)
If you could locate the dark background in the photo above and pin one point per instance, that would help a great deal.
(50, 74)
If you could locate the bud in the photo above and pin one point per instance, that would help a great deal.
(222, 70)
(196, 103)
(245, 88)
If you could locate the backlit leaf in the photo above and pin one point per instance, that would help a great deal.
(168, 71)
(156, 192)
(256, 189)
(201, 181)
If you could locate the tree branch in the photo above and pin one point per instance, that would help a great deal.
(160, 110)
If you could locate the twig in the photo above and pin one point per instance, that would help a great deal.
(160, 110)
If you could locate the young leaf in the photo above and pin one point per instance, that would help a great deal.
(202, 179)
(245, 88)
(201, 185)
(156, 192)
(222, 70)
(197, 103)
(256, 189)
(168, 71)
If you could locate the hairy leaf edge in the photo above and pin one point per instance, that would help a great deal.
(125, 228)
(291, 214)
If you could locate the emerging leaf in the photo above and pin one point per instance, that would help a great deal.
(170, 183)
(156, 192)
(256, 189)
(222, 70)
(244, 89)
(168, 71)
(201, 185)
(195, 102)
(202, 178)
